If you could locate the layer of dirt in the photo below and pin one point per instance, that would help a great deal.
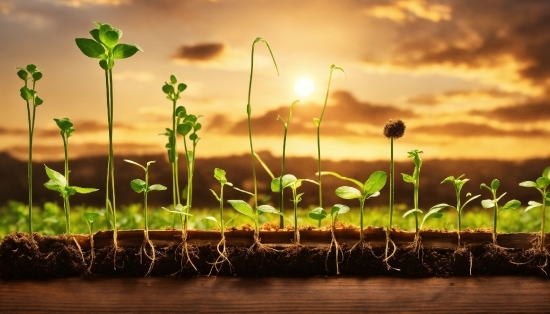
(47, 257)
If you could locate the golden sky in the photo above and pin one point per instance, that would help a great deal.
(469, 78)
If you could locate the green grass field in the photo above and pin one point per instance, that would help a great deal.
(50, 219)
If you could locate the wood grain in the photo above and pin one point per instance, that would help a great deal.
(277, 295)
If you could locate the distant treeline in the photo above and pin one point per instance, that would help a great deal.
(91, 172)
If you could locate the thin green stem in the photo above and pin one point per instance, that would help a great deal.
(295, 215)
(542, 227)
(66, 199)
(361, 208)
(458, 213)
(189, 182)
(391, 183)
(145, 200)
(222, 224)
(249, 113)
(29, 164)
(416, 185)
(281, 191)
(111, 151)
(108, 205)
(319, 139)
(495, 217)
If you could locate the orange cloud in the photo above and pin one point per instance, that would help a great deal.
(200, 52)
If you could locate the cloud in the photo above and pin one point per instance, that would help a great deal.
(465, 129)
(13, 132)
(409, 10)
(200, 52)
(459, 95)
(140, 76)
(344, 116)
(537, 110)
(83, 3)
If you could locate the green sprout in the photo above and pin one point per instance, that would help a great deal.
(335, 212)
(57, 182)
(90, 218)
(249, 114)
(219, 174)
(541, 184)
(281, 189)
(415, 180)
(105, 47)
(290, 181)
(458, 184)
(317, 122)
(30, 72)
(172, 91)
(493, 203)
(140, 186)
(371, 188)
(393, 129)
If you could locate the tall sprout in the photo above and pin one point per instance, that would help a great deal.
(30, 72)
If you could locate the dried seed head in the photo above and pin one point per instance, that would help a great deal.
(394, 128)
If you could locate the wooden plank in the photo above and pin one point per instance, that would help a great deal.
(276, 295)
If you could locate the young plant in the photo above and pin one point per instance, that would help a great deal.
(249, 114)
(28, 93)
(541, 184)
(319, 214)
(371, 188)
(493, 203)
(59, 183)
(317, 122)
(415, 180)
(105, 47)
(90, 218)
(458, 184)
(140, 186)
(281, 189)
(290, 181)
(173, 91)
(219, 174)
(393, 129)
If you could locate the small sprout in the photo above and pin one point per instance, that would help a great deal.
(30, 72)
(541, 184)
(493, 203)
(90, 218)
(141, 186)
(458, 184)
(335, 212)
(318, 214)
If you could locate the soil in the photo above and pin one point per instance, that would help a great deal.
(68, 256)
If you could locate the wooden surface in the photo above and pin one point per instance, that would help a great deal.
(277, 295)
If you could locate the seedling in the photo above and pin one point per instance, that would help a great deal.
(415, 180)
(541, 184)
(281, 189)
(249, 114)
(219, 174)
(493, 203)
(458, 184)
(105, 47)
(90, 218)
(317, 122)
(173, 91)
(289, 180)
(393, 129)
(59, 183)
(140, 186)
(30, 72)
(335, 212)
(371, 188)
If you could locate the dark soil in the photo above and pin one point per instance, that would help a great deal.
(47, 257)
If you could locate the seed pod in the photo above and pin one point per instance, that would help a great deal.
(394, 128)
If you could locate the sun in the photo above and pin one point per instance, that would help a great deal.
(304, 87)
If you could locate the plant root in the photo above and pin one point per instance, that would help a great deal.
(184, 253)
(337, 248)
(143, 251)
(222, 257)
(92, 254)
(79, 250)
(386, 257)
(471, 262)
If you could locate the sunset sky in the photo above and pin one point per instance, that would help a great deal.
(471, 79)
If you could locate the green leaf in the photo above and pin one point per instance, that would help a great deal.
(180, 210)
(110, 39)
(38, 101)
(134, 163)
(434, 212)
(23, 74)
(543, 182)
(317, 122)
(338, 209)
(243, 208)
(90, 217)
(546, 172)
(95, 34)
(407, 178)
(211, 218)
(246, 192)
(64, 124)
(359, 184)
(375, 183)
(168, 89)
(36, 76)
(173, 79)
(90, 48)
(533, 205)
(157, 187)
(51, 185)
(495, 184)
(181, 112)
(318, 214)
(528, 184)
(26, 93)
(414, 210)
(348, 193)
(184, 128)
(56, 177)
(219, 174)
(488, 203)
(122, 51)
(80, 190)
(181, 87)
(31, 68)
(513, 204)
(288, 180)
(268, 209)
(215, 195)
(138, 185)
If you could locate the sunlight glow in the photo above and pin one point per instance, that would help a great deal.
(304, 87)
